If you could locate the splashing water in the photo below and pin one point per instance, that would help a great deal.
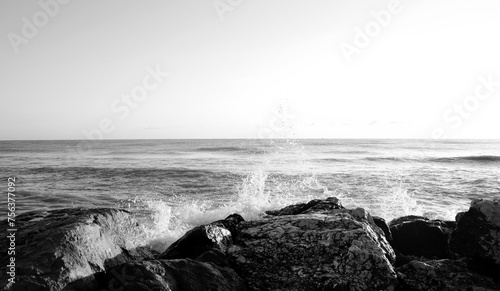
(166, 221)
(161, 226)
(398, 202)
(269, 187)
(259, 191)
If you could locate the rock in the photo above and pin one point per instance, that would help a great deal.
(58, 247)
(407, 218)
(318, 245)
(338, 249)
(214, 256)
(216, 235)
(442, 275)
(313, 206)
(477, 235)
(380, 222)
(172, 275)
(421, 237)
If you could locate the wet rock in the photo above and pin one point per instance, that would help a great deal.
(337, 249)
(380, 222)
(421, 237)
(216, 235)
(477, 235)
(58, 247)
(442, 275)
(172, 275)
(313, 206)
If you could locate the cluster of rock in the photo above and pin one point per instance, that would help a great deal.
(319, 245)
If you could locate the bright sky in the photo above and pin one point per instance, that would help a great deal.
(249, 69)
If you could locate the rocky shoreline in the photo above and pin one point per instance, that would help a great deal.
(319, 245)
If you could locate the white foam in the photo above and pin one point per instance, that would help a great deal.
(168, 218)
(396, 202)
(166, 221)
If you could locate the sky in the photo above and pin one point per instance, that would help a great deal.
(150, 69)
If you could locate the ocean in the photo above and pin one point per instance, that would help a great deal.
(173, 185)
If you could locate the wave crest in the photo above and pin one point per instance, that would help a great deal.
(480, 158)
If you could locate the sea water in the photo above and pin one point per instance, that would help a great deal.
(173, 185)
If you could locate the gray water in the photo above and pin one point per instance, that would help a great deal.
(172, 185)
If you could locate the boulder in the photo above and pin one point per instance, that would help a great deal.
(443, 274)
(171, 275)
(55, 248)
(477, 235)
(313, 206)
(335, 249)
(318, 245)
(421, 237)
(216, 235)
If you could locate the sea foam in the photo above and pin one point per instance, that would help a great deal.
(167, 218)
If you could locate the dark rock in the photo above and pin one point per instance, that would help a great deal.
(459, 215)
(407, 218)
(215, 235)
(380, 222)
(58, 247)
(442, 275)
(313, 206)
(418, 236)
(172, 275)
(340, 250)
(477, 235)
(318, 245)
(402, 259)
(214, 256)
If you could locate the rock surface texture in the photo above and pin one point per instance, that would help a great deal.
(216, 235)
(477, 235)
(311, 246)
(171, 275)
(335, 249)
(313, 206)
(444, 274)
(58, 247)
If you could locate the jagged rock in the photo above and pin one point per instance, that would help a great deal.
(477, 235)
(318, 245)
(215, 235)
(313, 206)
(58, 247)
(442, 275)
(338, 249)
(171, 275)
(419, 236)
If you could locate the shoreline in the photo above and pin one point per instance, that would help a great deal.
(305, 246)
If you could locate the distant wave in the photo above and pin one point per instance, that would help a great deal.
(348, 152)
(483, 158)
(77, 172)
(370, 159)
(220, 149)
(461, 159)
(231, 149)
(333, 160)
(393, 159)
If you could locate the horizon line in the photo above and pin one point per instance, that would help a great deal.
(305, 138)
